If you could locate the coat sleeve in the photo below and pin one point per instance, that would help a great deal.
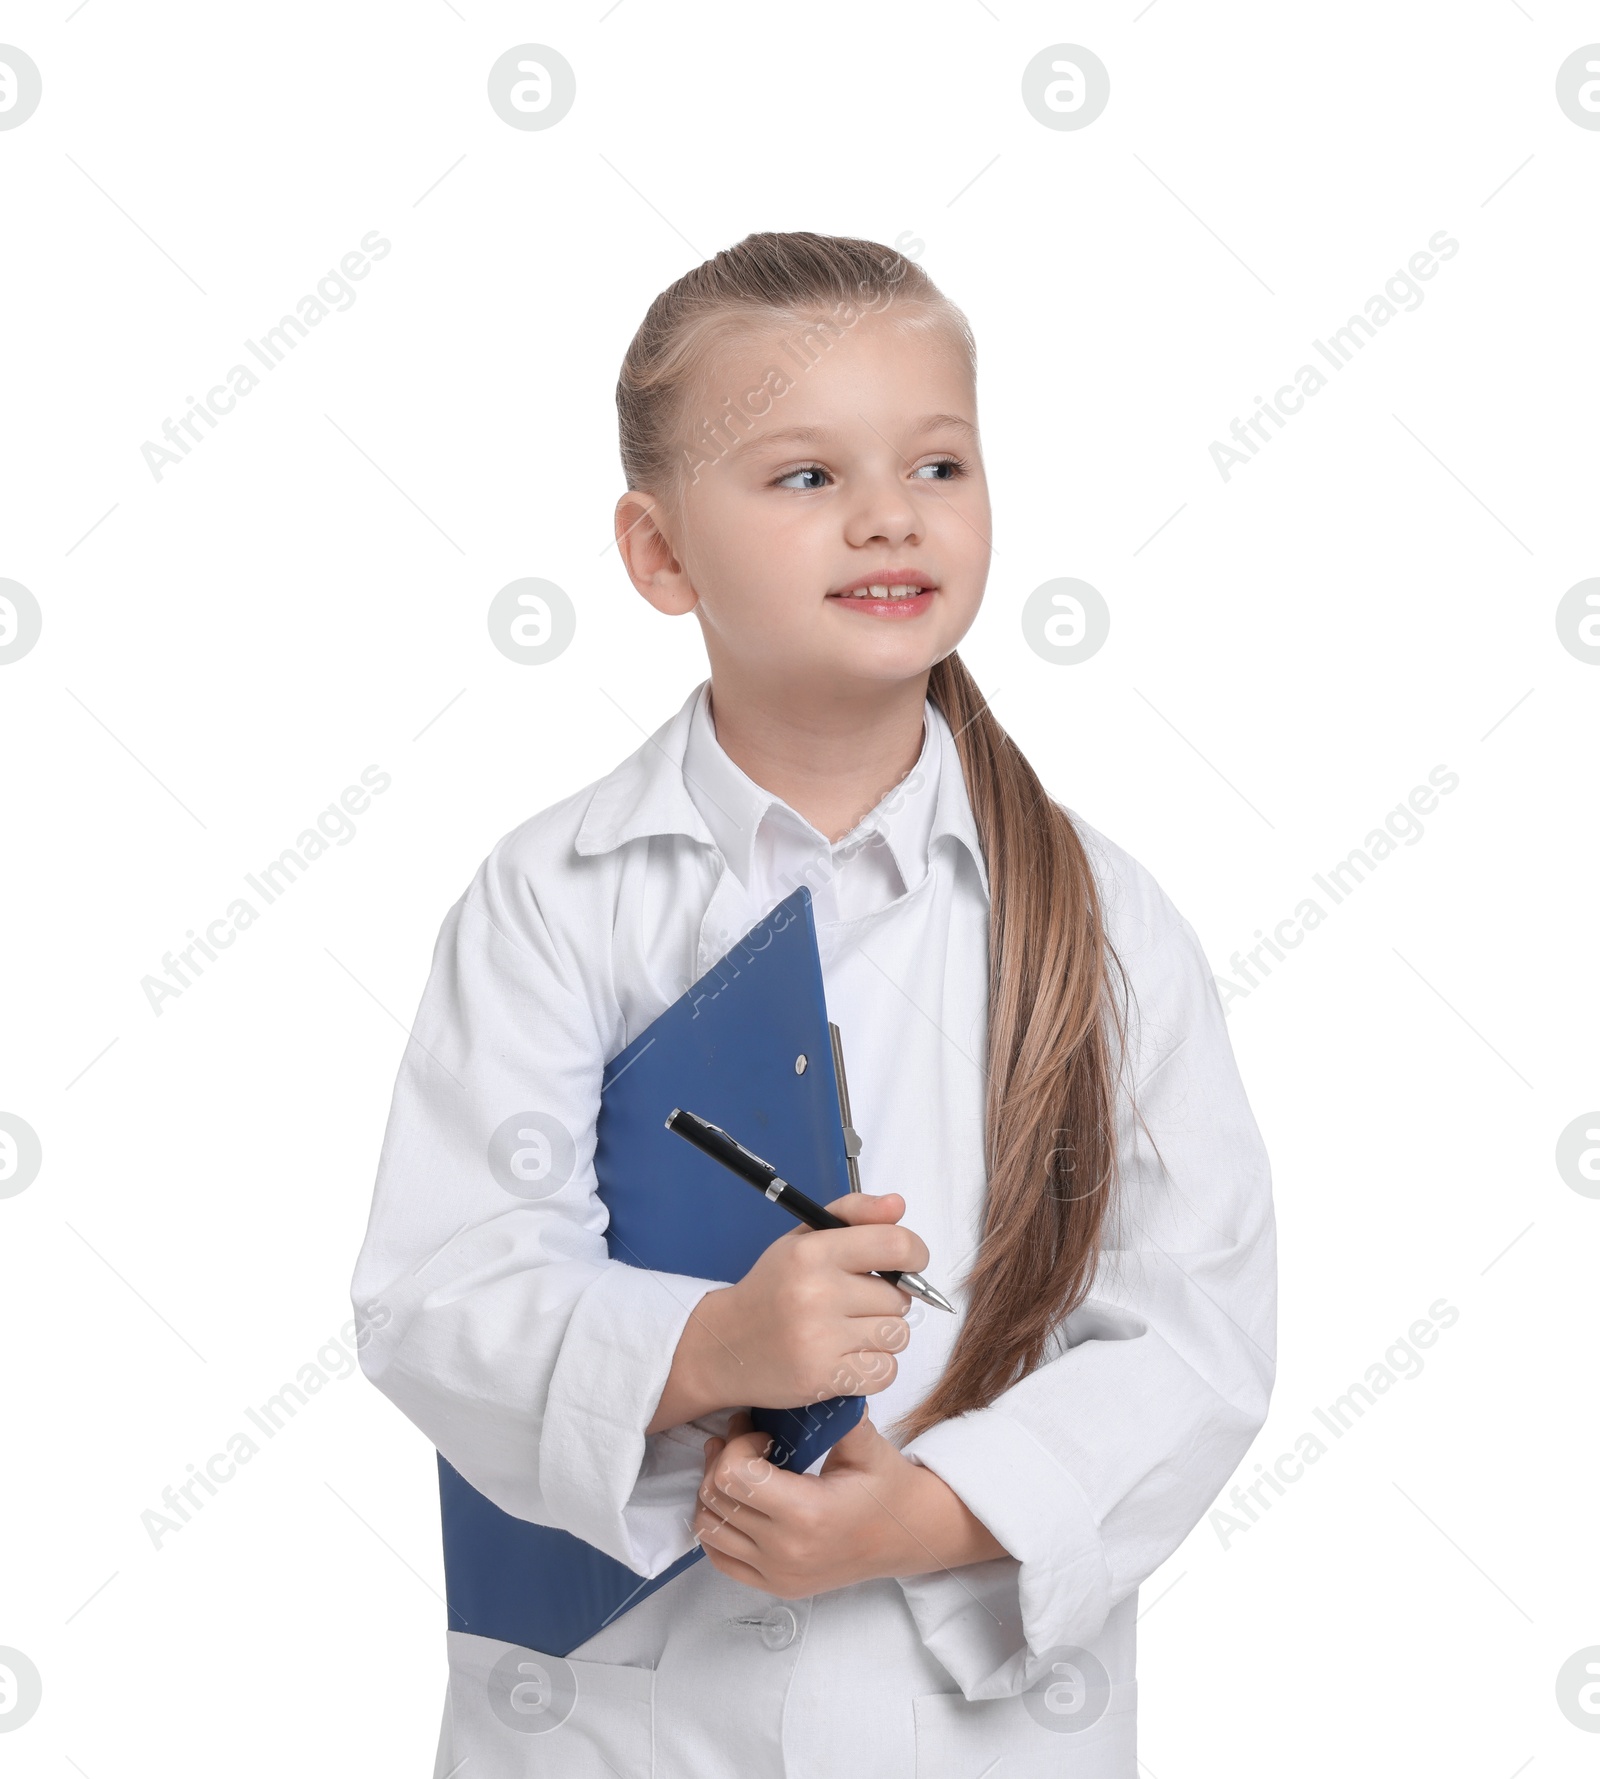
(1093, 1469)
(497, 1322)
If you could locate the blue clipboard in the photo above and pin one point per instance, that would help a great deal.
(729, 1048)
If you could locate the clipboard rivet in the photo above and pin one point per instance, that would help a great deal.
(800, 1065)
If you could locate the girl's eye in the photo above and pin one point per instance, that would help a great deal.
(953, 465)
(811, 469)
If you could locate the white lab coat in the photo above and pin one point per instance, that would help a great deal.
(534, 1362)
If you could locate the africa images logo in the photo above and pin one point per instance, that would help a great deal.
(1402, 292)
(335, 291)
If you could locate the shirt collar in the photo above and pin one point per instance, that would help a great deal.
(682, 782)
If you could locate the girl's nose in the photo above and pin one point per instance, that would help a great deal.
(884, 511)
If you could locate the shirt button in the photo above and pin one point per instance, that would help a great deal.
(778, 1628)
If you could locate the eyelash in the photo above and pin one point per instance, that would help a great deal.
(957, 463)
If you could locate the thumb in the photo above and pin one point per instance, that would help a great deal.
(856, 1448)
(868, 1207)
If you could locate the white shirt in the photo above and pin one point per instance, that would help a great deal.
(533, 1361)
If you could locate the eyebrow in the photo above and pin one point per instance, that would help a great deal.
(816, 435)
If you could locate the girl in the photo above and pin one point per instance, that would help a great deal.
(1053, 1126)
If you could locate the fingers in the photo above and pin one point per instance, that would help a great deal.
(862, 1295)
(875, 1240)
(717, 1520)
(877, 1334)
(872, 1247)
(865, 1371)
(728, 1542)
(736, 1471)
(737, 1468)
(727, 1508)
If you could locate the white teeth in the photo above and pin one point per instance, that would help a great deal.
(902, 592)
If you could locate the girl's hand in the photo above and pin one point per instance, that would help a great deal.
(870, 1512)
(808, 1321)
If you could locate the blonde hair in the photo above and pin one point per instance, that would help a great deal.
(1056, 1030)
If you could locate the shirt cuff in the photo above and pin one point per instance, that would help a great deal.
(604, 1480)
(991, 1624)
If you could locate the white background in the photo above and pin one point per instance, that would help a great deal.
(224, 650)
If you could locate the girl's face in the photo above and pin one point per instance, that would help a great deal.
(864, 471)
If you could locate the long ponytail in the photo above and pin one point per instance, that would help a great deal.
(1053, 1059)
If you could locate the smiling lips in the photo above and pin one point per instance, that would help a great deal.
(901, 593)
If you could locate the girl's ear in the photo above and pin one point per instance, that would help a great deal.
(648, 556)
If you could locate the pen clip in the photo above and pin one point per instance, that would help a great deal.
(705, 1125)
(749, 1154)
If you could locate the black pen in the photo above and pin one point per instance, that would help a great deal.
(713, 1140)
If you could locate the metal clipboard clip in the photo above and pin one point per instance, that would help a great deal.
(852, 1143)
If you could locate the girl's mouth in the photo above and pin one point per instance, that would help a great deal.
(887, 600)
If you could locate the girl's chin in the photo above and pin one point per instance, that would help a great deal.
(887, 654)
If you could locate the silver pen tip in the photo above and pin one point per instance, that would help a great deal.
(928, 1293)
